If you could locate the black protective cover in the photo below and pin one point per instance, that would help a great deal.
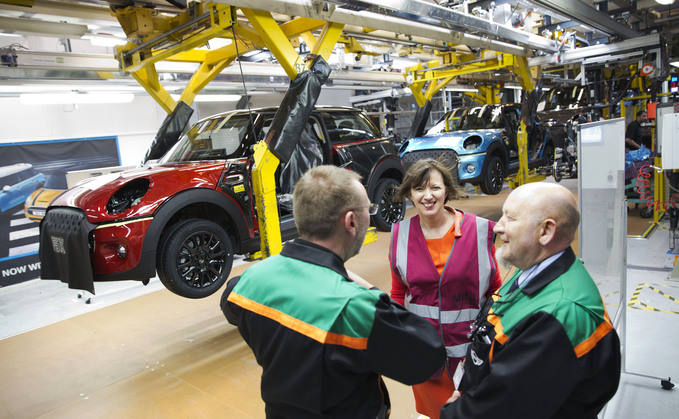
(530, 105)
(169, 132)
(64, 248)
(420, 121)
(295, 109)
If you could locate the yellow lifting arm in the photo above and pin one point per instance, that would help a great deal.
(263, 179)
(175, 39)
(521, 69)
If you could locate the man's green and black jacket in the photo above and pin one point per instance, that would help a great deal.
(322, 340)
(550, 350)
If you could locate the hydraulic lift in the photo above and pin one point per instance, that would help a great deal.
(174, 38)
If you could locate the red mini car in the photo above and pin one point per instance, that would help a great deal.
(186, 215)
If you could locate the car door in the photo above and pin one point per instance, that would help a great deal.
(356, 142)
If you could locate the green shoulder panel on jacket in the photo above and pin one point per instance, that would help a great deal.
(308, 295)
(573, 299)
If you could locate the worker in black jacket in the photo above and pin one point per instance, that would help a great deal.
(545, 347)
(324, 336)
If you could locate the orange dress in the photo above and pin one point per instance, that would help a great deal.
(432, 394)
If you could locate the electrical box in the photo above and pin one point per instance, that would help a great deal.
(669, 136)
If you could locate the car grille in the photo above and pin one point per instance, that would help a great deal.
(448, 157)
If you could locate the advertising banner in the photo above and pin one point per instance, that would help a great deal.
(32, 175)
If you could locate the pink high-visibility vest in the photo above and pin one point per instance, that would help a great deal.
(452, 300)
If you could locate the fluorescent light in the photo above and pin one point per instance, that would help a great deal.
(218, 98)
(68, 88)
(74, 98)
(105, 40)
(212, 98)
(455, 88)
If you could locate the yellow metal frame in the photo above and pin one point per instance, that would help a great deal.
(175, 39)
(426, 79)
(524, 175)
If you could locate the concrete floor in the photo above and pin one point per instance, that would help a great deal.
(139, 352)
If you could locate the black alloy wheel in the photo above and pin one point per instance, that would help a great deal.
(195, 258)
(493, 177)
(389, 211)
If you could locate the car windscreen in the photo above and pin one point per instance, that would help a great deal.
(212, 139)
(349, 126)
(56, 181)
(482, 117)
(564, 98)
(447, 123)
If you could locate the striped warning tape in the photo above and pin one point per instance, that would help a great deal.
(635, 303)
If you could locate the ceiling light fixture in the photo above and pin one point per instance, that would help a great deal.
(460, 88)
(74, 98)
(664, 2)
(212, 98)
(104, 40)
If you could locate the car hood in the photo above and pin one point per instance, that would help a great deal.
(163, 180)
(44, 197)
(448, 140)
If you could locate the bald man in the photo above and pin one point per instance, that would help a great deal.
(544, 347)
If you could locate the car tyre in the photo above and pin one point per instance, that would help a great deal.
(389, 211)
(646, 212)
(548, 156)
(195, 258)
(493, 177)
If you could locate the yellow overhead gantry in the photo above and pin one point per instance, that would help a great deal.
(426, 79)
(174, 38)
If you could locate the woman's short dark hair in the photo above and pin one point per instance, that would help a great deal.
(418, 175)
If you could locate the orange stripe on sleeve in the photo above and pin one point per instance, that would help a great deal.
(299, 326)
(588, 344)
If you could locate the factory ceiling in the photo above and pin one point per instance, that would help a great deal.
(60, 40)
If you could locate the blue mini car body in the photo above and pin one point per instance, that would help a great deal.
(482, 144)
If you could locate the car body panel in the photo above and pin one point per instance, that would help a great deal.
(166, 180)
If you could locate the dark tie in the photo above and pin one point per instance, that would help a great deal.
(514, 285)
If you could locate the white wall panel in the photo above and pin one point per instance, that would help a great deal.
(135, 123)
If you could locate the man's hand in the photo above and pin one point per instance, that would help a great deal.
(456, 395)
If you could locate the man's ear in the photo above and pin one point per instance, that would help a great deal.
(349, 222)
(547, 231)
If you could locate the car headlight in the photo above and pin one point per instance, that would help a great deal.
(472, 143)
(471, 168)
(128, 195)
(28, 200)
